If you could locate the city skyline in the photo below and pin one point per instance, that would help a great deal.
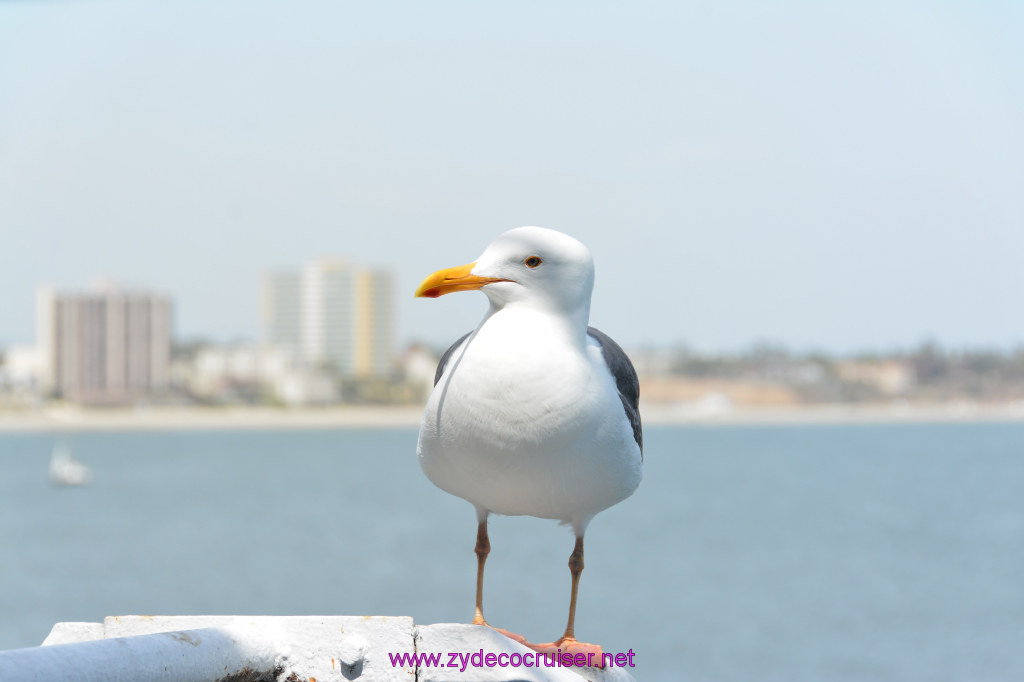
(842, 178)
(263, 334)
(326, 341)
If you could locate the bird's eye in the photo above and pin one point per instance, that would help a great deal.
(532, 261)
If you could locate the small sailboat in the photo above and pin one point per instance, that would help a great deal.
(67, 471)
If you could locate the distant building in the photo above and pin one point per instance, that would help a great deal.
(419, 365)
(106, 347)
(23, 365)
(888, 377)
(334, 315)
(282, 309)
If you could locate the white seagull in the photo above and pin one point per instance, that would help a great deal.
(533, 412)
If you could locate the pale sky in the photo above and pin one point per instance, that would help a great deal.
(839, 176)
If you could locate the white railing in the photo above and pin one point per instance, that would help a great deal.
(278, 649)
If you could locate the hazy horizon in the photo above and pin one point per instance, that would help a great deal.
(839, 178)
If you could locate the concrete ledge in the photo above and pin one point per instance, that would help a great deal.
(279, 649)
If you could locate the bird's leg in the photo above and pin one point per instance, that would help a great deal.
(483, 548)
(568, 642)
(576, 570)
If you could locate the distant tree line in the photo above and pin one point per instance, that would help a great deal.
(927, 372)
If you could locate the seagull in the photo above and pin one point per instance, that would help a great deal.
(533, 412)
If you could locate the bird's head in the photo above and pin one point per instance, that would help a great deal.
(528, 265)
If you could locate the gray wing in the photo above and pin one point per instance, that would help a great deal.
(447, 356)
(625, 380)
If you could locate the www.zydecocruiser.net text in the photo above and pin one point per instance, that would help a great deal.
(479, 659)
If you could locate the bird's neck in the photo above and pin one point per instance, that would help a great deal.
(569, 325)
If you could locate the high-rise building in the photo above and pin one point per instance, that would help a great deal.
(282, 316)
(108, 346)
(332, 314)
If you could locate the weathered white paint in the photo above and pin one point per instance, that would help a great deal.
(201, 654)
(67, 633)
(277, 649)
(309, 646)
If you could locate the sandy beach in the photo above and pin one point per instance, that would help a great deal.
(67, 418)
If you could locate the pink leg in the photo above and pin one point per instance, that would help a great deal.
(568, 642)
(483, 548)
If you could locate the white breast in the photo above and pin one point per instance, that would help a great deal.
(525, 420)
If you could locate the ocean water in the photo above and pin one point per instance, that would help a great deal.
(818, 553)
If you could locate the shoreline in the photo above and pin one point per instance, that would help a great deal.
(71, 419)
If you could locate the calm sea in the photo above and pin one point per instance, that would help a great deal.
(818, 553)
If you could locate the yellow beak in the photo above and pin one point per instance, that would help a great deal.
(453, 279)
